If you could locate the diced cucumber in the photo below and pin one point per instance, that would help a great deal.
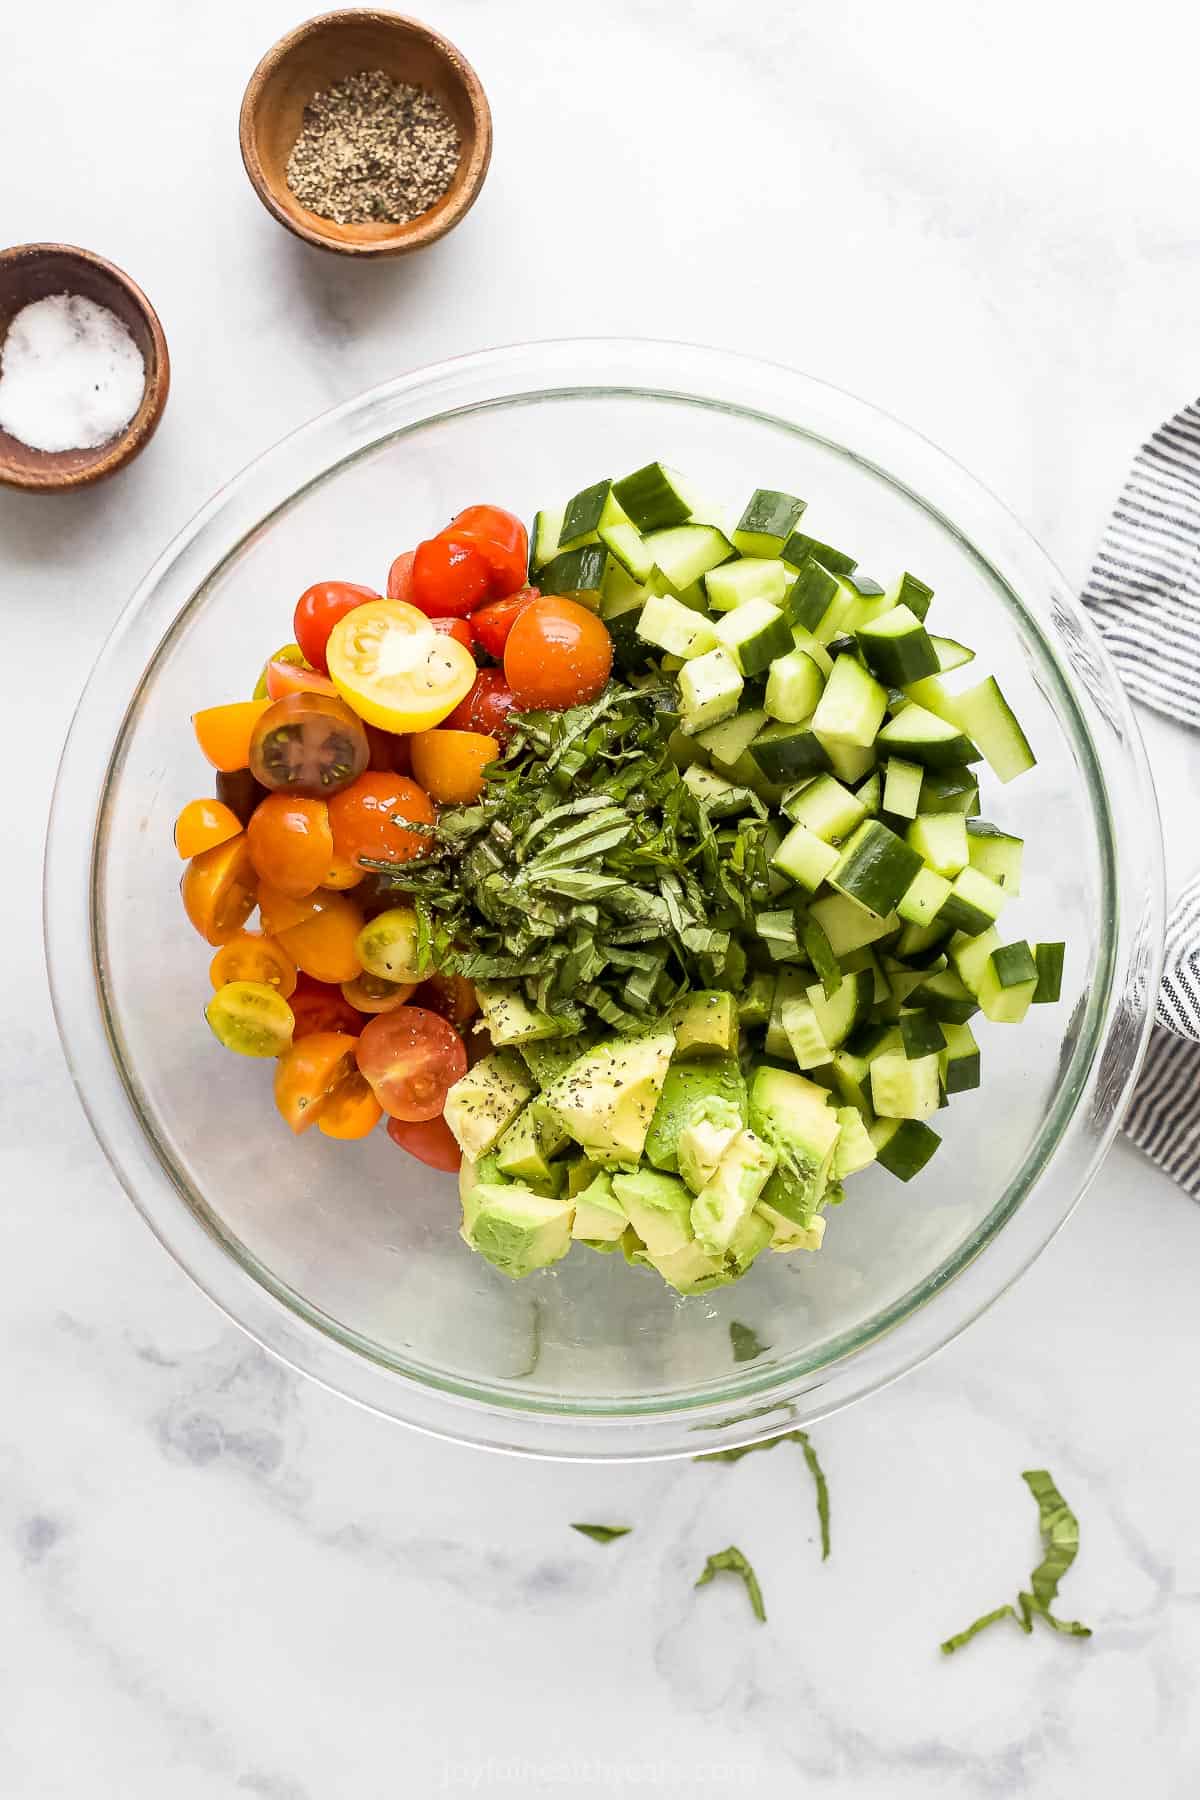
(875, 868)
(710, 688)
(779, 931)
(826, 807)
(996, 854)
(804, 640)
(790, 985)
(794, 686)
(847, 925)
(923, 901)
(734, 584)
(862, 601)
(897, 647)
(905, 1089)
(754, 1007)
(544, 537)
(866, 959)
(921, 736)
(959, 1060)
(940, 840)
(969, 956)
(588, 510)
(903, 1146)
(852, 706)
(918, 943)
(754, 633)
(687, 552)
(838, 1014)
(851, 1081)
(984, 715)
(812, 596)
(784, 752)
(849, 762)
(767, 523)
(728, 741)
(1008, 983)
(653, 498)
(578, 574)
(950, 654)
(804, 1035)
(620, 590)
(902, 787)
(870, 794)
(804, 858)
(873, 1039)
(1049, 959)
(947, 997)
(820, 954)
(627, 546)
(950, 791)
(671, 626)
(974, 904)
(720, 798)
(920, 1035)
(854, 1149)
(902, 984)
(800, 547)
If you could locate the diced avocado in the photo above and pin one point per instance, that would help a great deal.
(486, 1101)
(472, 1173)
(752, 1236)
(713, 1125)
(508, 1015)
(659, 1207)
(549, 1058)
(524, 1151)
(606, 1099)
(705, 1021)
(794, 1117)
(854, 1150)
(690, 1270)
(787, 1235)
(599, 1215)
(514, 1229)
(686, 1085)
(581, 1172)
(722, 1204)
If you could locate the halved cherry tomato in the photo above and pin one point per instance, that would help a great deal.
(342, 874)
(500, 539)
(317, 612)
(431, 1141)
(558, 654)
(388, 945)
(224, 732)
(459, 629)
(287, 653)
(395, 669)
(389, 752)
(363, 817)
(449, 764)
(310, 1073)
(449, 578)
(399, 581)
(411, 1059)
(202, 825)
(251, 1018)
(317, 1006)
(351, 1111)
(284, 678)
(373, 994)
(279, 912)
(451, 995)
(252, 956)
(291, 844)
(218, 889)
(492, 624)
(238, 790)
(324, 945)
(308, 744)
(486, 707)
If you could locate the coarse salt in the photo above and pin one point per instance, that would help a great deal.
(71, 376)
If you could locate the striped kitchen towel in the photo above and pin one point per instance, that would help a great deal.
(1144, 593)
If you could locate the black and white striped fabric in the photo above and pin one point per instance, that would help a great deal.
(1144, 593)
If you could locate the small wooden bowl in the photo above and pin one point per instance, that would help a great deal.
(32, 272)
(326, 50)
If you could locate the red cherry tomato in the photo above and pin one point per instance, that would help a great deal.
(493, 623)
(501, 539)
(363, 819)
(461, 629)
(317, 612)
(431, 1141)
(411, 1058)
(449, 578)
(318, 1006)
(389, 751)
(486, 707)
(558, 654)
(399, 581)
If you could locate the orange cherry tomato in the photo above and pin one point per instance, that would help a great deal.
(500, 539)
(451, 995)
(342, 874)
(399, 581)
(251, 956)
(369, 993)
(291, 844)
(308, 744)
(323, 945)
(459, 629)
(202, 825)
(279, 912)
(363, 818)
(558, 654)
(486, 707)
(308, 1074)
(431, 1141)
(449, 764)
(351, 1111)
(316, 1006)
(492, 624)
(317, 612)
(449, 578)
(219, 890)
(224, 732)
(284, 678)
(411, 1058)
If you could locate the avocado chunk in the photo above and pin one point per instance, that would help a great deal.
(600, 1219)
(691, 1270)
(548, 1058)
(786, 1234)
(606, 1099)
(793, 1116)
(658, 1207)
(581, 1172)
(705, 1023)
(516, 1230)
(713, 1125)
(687, 1084)
(751, 1236)
(524, 1151)
(740, 1177)
(509, 1017)
(854, 1147)
(487, 1100)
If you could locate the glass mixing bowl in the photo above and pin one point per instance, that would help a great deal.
(344, 1259)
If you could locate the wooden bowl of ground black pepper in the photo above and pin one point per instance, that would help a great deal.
(337, 143)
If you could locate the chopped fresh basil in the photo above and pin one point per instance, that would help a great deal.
(603, 1534)
(810, 1457)
(1060, 1538)
(745, 1343)
(734, 1561)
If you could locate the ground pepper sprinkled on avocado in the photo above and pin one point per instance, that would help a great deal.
(371, 148)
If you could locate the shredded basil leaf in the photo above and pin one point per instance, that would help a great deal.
(1060, 1539)
(733, 1560)
(603, 1534)
(745, 1343)
(810, 1458)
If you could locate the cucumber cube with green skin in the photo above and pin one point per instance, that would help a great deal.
(685, 553)
(800, 547)
(959, 1060)
(951, 655)
(996, 854)
(920, 1035)
(897, 647)
(779, 929)
(577, 574)
(854, 1151)
(852, 706)
(735, 584)
(805, 858)
(767, 523)
(947, 997)
(875, 868)
(784, 752)
(794, 687)
(710, 687)
(720, 797)
(544, 537)
(670, 625)
(921, 736)
(923, 901)
(653, 498)
(805, 1037)
(903, 1146)
(919, 944)
(902, 788)
(910, 591)
(754, 634)
(627, 547)
(813, 647)
(790, 985)
(949, 791)
(984, 715)
(837, 1015)
(975, 903)
(829, 810)
(1008, 983)
(587, 511)
(1049, 959)
(940, 840)
(848, 926)
(726, 742)
(862, 959)
(870, 794)
(812, 597)
(851, 1078)
(969, 955)
(905, 1089)
(819, 951)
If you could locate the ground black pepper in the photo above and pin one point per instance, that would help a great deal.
(371, 148)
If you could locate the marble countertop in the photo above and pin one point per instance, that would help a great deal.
(218, 1580)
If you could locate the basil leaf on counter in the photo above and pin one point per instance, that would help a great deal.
(734, 1561)
(810, 1456)
(745, 1343)
(603, 1534)
(1060, 1539)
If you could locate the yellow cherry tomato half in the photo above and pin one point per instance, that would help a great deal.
(388, 945)
(202, 825)
(449, 764)
(251, 1018)
(219, 889)
(251, 956)
(224, 732)
(391, 666)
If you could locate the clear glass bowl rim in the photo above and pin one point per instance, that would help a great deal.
(1105, 1063)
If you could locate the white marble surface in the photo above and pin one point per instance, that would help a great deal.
(216, 1580)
